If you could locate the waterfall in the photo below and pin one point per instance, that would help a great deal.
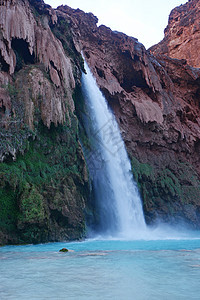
(118, 201)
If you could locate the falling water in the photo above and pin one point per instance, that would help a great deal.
(117, 197)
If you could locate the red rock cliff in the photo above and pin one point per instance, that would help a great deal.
(44, 192)
(156, 103)
(182, 35)
(43, 176)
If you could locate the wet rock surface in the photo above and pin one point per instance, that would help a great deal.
(43, 177)
(156, 103)
(44, 188)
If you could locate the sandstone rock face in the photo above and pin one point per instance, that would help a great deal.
(44, 189)
(156, 103)
(182, 35)
(43, 177)
(24, 37)
(18, 22)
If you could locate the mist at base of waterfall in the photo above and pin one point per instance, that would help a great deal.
(117, 201)
(158, 231)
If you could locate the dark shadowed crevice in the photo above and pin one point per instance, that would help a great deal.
(197, 98)
(2, 108)
(100, 72)
(23, 55)
(133, 78)
(3, 65)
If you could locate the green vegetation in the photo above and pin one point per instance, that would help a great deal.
(43, 191)
(166, 190)
(12, 91)
(32, 209)
(8, 208)
(50, 164)
(46, 158)
(14, 132)
(140, 170)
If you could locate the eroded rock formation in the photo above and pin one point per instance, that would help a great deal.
(182, 35)
(156, 103)
(44, 189)
(27, 38)
(43, 177)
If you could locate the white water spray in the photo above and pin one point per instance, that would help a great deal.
(119, 203)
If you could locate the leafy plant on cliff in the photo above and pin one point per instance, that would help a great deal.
(8, 208)
(31, 205)
(166, 190)
(50, 159)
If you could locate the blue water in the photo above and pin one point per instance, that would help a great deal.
(102, 269)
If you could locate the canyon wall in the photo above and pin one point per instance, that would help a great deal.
(45, 194)
(156, 103)
(182, 34)
(43, 176)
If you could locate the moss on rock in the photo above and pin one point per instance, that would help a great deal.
(44, 190)
(31, 205)
(64, 250)
(43, 176)
(168, 191)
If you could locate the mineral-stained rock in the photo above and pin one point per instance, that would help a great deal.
(44, 189)
(156, 103)
(26, 39)
(182, 35)
(21, 29)
(43, 176)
